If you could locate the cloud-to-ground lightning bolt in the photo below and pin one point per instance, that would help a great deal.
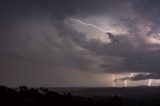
(113, 83)
(149, 82)
(91, 25)
(125, 81)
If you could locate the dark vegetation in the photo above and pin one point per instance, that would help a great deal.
(24, 96)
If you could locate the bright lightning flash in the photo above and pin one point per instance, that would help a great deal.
(125, 82)
(91, 25)
(113, 83)
(149, 82)
(131, 75)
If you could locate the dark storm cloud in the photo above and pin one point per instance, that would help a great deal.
(138, 77)
(143, 58)
(35, 31)
(19, 13)
(148, 9)
(59, 9)
(144, 77)
(126, 57)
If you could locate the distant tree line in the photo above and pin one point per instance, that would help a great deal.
(24, 96)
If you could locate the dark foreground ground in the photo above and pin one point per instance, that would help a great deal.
(24, 96)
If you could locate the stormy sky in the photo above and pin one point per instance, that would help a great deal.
(42, 44)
